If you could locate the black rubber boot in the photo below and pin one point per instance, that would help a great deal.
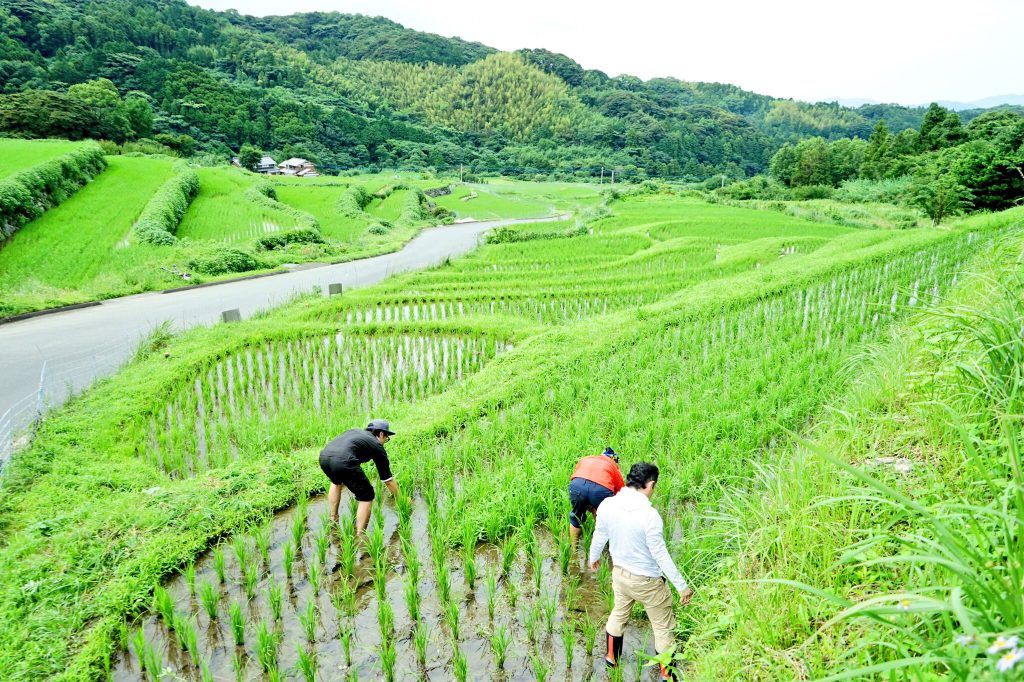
(611, 659)
(666, 674)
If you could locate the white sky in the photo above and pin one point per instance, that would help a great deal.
(905, 51)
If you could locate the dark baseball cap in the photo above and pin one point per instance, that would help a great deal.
(380, 425)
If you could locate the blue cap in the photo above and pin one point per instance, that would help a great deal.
(380, 425)
(608, 452)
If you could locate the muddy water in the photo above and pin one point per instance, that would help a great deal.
(217, 648)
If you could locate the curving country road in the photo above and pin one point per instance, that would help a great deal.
(79, 346)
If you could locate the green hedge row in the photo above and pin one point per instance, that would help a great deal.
(264, 193)
(160, 218)
(353, 201)
(26, 195)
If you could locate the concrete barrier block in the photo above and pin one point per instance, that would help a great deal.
(231, 315)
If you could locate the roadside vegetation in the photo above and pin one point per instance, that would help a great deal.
(502, 367)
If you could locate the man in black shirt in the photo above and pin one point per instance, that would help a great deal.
(341, 460)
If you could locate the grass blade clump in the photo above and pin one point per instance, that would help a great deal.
(307, 663)
(266, 647)
(237, 624)
(219, 565)
(164, 605)
(210, 597)
(421, 638)
(288, 559)
(500, 642)
(310, 619)
(274, 598)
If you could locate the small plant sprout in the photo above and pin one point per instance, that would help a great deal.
(537, 563)
(540, 666)
(380, 577)
(345, 634)
(412, 598)
(469, 538)
(274, 598)
(261, 537)
(508, 556)
(252, 579)
(572, 593)
(164, 605)
(313, 573)
(310, 619)
(323, 542)
(568, 642)
(459, 665)
(531, 623)
(298, 530)
(386, 619)
(388, 655)
(266, 647)
(210, 597)
(548, 607)
(512, 592)
(288, 559)
(154, 664)
(564, 554)
(204, 672)
(138, 643)
(589, 629)
(451, 617)
(307, 663)
(238, 664)
(348, 553)
(421, 638)
(190, 578)
(444, 583)
(492, 593)
(237, 624)
(500, 642)
(219, 564)
(241, 550)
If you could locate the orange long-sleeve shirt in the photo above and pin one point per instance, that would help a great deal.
(601, 470)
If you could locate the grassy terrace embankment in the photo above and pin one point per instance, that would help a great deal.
(702, 377)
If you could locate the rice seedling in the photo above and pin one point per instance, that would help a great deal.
(500, 642)
(444, 583)
(531, 624)
(266, 647)
(388, 655)
(537, 566)
(204, 672)
(548, 606)
(346, 644)
(138, 644)
(288, 559)
(323, 542)
(237, 624)
(460, 667)
(210, 597)
(239, 663)
(512, 592)
(571, 593)
(386, 619)
(307, 663)
(375, 539)
(154, 664)
(412, 597)
(190, 578)
(421, 639)
(492, 593)
(541, 670)
(163, 604)
(589, 629)
(241, 550)
(252, 579)
(451, 617)
(348, 553)
(310, 619)
(218, 564)
(298, 530)
(261, 538)
(564, 554)
(569, 642)
(313, 573)
(469, 538)
(274, 599)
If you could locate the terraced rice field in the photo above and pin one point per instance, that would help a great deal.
(698, 337)
(17, 155)
(223, 213)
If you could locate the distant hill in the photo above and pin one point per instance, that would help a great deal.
(353, 91)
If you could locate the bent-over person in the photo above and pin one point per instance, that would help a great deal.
(342, 459)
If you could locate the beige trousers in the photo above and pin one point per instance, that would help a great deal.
(653, 594)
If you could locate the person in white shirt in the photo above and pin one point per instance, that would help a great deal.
(641, 565)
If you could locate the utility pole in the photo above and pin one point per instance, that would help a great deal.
(723, 180)
(460, 172)
(602, 175)
(613, 176)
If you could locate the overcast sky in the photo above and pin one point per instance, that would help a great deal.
(905, 51)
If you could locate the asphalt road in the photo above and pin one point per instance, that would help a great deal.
(79, 346)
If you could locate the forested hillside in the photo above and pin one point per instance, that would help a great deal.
(357, 92)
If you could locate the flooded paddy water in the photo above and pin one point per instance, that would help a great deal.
(300, 599)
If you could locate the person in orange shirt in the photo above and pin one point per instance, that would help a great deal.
(595, 478)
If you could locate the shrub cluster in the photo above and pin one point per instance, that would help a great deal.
(508, 235)
(352, 201)
(224, 260)
(412, 209)
(278, 241)
(26, 195)
(160, 218)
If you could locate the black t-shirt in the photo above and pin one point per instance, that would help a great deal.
(358, 446)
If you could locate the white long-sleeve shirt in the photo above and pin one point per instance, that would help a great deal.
(635, 533)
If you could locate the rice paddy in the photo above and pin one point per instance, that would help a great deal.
(699, 337)
(17, 155)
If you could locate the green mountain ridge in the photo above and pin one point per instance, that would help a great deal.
(351, 91)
